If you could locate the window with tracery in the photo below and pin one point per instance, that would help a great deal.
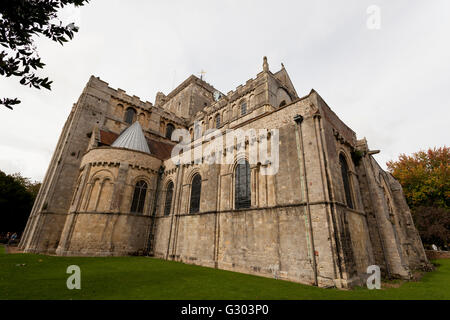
(242, 189)
(140, 191)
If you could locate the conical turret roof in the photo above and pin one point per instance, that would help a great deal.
(132, 138)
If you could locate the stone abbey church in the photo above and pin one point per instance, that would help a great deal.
(112, 187)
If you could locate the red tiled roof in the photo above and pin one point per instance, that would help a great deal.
(159, 149)
(107, 137)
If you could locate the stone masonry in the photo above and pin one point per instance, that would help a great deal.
(328, 213)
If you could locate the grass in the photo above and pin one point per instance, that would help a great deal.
(32, 276)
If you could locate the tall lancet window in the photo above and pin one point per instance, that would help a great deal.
(195, 194)
(242, 191)
(130, 115)
(197, 130)
(217, 121)
(140, 191)
(243, 107)
(346, 180)
(168, 201)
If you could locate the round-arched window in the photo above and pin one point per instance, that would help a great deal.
(169, 130)
(168, 200)
(217, 121)
(243, 107)
(195, 194)
(346, 180)
(242, 190)
(130, 115)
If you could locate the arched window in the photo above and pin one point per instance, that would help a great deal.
(195, 194)
(346, 180)
(140, 190)
(168, 201)
(217, 121)
(93, 196)
(243, 107)
(282, 103)
(130, 115)
(242, 191)
(104, 196)
(169, 129)
(197, 130)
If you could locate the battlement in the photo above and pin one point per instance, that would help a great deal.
(120, 94)
(242, 90)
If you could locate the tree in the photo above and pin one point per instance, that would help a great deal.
(424, 177)
(17, 195)
(32, 187)
(20, 22)
(433, 225)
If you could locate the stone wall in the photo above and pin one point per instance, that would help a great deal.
(58, 185)
(99, 220)
(339, 245)
(99, 106)
(268, 242)
(250, 240)
(107, 234)
(304, 223)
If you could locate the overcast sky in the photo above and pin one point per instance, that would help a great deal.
(390, 85)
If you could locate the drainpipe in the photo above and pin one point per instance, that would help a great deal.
(305, 197)
(178, 185)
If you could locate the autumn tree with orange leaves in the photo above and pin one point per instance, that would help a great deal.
(424, 177)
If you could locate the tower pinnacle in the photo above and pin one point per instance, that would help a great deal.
(265, 64)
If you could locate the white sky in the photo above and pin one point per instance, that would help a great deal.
(391, 85)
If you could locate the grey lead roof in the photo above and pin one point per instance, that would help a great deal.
(132, 138)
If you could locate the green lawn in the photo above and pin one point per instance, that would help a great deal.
(44, 277)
